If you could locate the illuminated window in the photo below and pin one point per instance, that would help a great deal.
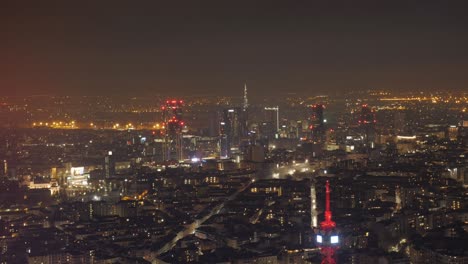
(319, 239)
(334, 240)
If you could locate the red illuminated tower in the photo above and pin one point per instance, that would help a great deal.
(172, 113)
(327, 237)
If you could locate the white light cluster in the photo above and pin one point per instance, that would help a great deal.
(334, 239)
(319, 239)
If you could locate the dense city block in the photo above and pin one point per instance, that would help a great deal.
(223, 180)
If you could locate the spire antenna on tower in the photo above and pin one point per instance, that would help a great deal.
(327, 237)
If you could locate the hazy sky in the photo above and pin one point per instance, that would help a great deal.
(187, 47)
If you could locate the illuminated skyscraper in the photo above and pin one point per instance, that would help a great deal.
(109, 165)
(317, 124)
(367, 115)
(172, 114)
(224, 140)
(231, 130)
(452, 132)
(245, 103)
(367, 123)
(276, 119)
(244, 115)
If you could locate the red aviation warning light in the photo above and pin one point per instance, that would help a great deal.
(173, 113)
(367, 116)
(173, 125)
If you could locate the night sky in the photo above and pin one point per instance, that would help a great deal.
(141, 48)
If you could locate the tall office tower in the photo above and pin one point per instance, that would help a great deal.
(224, 140)
(367, 123)
(232, 130)
(245, 103)
(244, 115)
(317, 124)
(213, 124)
(327, 237)
(233, 127)
(313, 206)
(452, 132)
(109, 165)
(273, 118)
(367, 115)
(172, 114)
(267, 130)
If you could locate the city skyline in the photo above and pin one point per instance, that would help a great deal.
(277, 132)
(219, 179)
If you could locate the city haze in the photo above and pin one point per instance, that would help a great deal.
(213, 47)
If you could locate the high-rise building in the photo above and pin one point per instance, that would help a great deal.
(233, 127)
(245, 103)
(367, 123)
(267, 130)
(452, 133)
(273, 118)
(172, 114)
(367, 115)
(232, 130)
(317, 124)
(244, 116)
(224, 140)
(109, 165)
(255, 153)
